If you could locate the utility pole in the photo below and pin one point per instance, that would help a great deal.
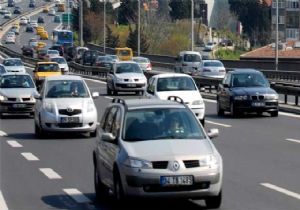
(81, 22)
(139, 27)
(104, 28)
(192, 14)
(276, 47)
(68, 11)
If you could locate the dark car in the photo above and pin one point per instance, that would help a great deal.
(89, 57)
(32, 4)
(246, 90)
(17, 10)
(29, 28)
(56, 19)
(59, 48)
(11, 3)
(41, 54)
(27, 50)
(103, 61)
(40, 20)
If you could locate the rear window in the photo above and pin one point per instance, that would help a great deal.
(48, 67)
(141, 60)
(213, 64)
(191, 58)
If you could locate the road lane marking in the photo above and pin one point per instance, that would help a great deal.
(3, 205)
(293, 140)
(78, 196)
(108, 97)
(289, 114)
(281, 190)
(220, 124)
(50, 173)
(29, 156)
(2, 133)
(210, 100)
(14, 143)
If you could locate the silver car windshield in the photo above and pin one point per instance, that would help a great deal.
(66, 89)
(175, 84)
(16, 81)
(161, 123)
(128, 68)
(13, 62)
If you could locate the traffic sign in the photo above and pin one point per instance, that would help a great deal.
(66, 17)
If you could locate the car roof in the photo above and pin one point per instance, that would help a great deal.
(5, 59)
(151, 103)
(166, 75)
(244, 70)
(210, 60)
(15, 73)
(64, 77)
(189, 52)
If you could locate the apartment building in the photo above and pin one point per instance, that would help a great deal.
(288, 19)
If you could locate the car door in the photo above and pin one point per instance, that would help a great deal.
(224, 92)
(39, 104)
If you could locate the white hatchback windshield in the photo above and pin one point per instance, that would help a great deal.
(66, 89)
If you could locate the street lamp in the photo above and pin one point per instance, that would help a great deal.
(192, 14)
(104, 28)
(276, 47)
(139, 27)
(81, 22)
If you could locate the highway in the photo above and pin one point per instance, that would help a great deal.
(260, 154)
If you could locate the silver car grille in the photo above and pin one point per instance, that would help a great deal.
(160, 164)
(191, 163)
(69, 112)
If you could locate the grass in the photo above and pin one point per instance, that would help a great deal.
(227, 54)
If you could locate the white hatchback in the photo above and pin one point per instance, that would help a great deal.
(163, 86)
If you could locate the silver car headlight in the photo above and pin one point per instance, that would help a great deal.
(209, 161)
(49, 108)
(271, 96)
(90, 106)
(197, 102)
(138, 163)
(119, 79)
(3, 98)
(241, 98)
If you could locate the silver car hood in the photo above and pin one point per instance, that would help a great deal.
(64, 103)
(156, 150)
(131, 76)
(18, 92)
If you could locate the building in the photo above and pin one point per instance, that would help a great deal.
(288, 20)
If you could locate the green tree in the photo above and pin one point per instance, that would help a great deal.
(255, 16)
(127, 12)
(133, 39)
(111, 39)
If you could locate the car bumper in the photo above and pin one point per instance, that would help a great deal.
(52, 122)
(146, 183)
(248, 106)
(199, 111)
(130, 87)
(16, 107)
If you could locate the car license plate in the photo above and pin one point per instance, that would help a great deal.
(69, 119)
(176, 180)
(131, 85)
(258, 104)
(19, 105)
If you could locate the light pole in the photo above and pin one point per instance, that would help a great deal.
(104, 28)
(139, 28)
(276, 47)
(68, 11)
(192, 17)
(81, 22)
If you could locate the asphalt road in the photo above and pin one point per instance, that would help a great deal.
(261, 164)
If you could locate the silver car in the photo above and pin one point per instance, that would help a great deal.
(65, 104)
(16, 93)
(156, 148)
(211, 68)
(126, 76)
(187, 62)
(143, 62)
(62, 63)
(14, 65)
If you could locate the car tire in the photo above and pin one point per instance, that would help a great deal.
(93, 133)
(31, 114)
(101, 190)
(203, 121)
(214, 202)
(220, 111)
(108, 90)
(118, 189)
(38, 131)
(233, 110)
(274, 113)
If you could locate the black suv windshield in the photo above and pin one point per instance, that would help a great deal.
(161, 123)
(249, 80)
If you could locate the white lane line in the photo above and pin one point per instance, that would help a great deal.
(210, 100)
(293, 140)
(78, 196)
(29, 156)
(3, 205)
(48, 172)
(94, 80)
(14, 143)
(289, 114)
(108, 97)
(220, 124)
(281, 190)
(2, 133)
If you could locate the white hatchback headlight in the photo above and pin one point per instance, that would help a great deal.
(210, 161)
(197, 102)
(137, 163)
(49, 107)
(3, 98)
(90, 106)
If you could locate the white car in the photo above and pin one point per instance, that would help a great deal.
(10, 39)
(143, 62)
(211, 68)
(23, 21)
(162, 86)
(209, 46)
(62, 63)
(34, 23)
(15, 29)
(51, 54)
(14, 65)
(7, 15)
(52, 12)
(187, 62)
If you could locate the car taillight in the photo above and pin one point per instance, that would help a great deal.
(149, 66)
(206, 70)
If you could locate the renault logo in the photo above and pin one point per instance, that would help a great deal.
(69, 109)
(175, 166)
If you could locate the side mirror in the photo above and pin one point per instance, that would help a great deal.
(213, 133)
(225, 85)
(37, 96)
(109, 137)
(95, 94)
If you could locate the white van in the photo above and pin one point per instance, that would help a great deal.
(187, 62)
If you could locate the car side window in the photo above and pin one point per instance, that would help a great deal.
(109, 120)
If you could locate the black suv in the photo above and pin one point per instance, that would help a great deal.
(27, 50)
(246, 90)
(89, 57)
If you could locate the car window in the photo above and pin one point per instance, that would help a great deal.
(213, 64)
(141, 60)
(191, 58)
(66, 89)
(16, 81)
(59, 60)
(249, 80)
(128, 68)
(175, 84)
(48, 67)
(13, 63)
(161, 123)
